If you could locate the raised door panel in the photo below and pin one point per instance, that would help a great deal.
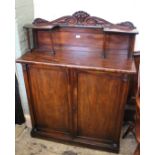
(50, 100)
(100, 105)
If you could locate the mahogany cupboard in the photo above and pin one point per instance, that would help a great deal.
(77, 73)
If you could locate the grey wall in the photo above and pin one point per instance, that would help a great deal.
(24, 14)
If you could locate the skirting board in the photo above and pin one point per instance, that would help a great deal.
(28, 121)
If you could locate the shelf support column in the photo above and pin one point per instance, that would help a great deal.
(52, 42)
(28, 39)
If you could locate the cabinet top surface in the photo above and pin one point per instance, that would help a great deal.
(78, 60)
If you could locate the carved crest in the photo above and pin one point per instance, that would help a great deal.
(82, 18)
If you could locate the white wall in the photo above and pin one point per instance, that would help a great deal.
(114, 11)
(140, 12)
(24, 14)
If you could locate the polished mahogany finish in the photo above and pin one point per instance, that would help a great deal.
(130, 108)
(77, 75)
(137, 122)
(134, 79)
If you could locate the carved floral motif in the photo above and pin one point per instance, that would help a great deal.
(80, 16)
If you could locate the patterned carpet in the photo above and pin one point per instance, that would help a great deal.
(26, 145)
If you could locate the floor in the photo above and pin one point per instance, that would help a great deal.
(26, 145)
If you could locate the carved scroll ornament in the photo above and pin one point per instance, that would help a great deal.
(82, 18)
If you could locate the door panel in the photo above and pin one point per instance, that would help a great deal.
(100, 105)
(49, 89)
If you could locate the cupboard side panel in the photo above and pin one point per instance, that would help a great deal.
(28, 92)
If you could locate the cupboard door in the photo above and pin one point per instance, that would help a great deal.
(100, 105)
(50, 99)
